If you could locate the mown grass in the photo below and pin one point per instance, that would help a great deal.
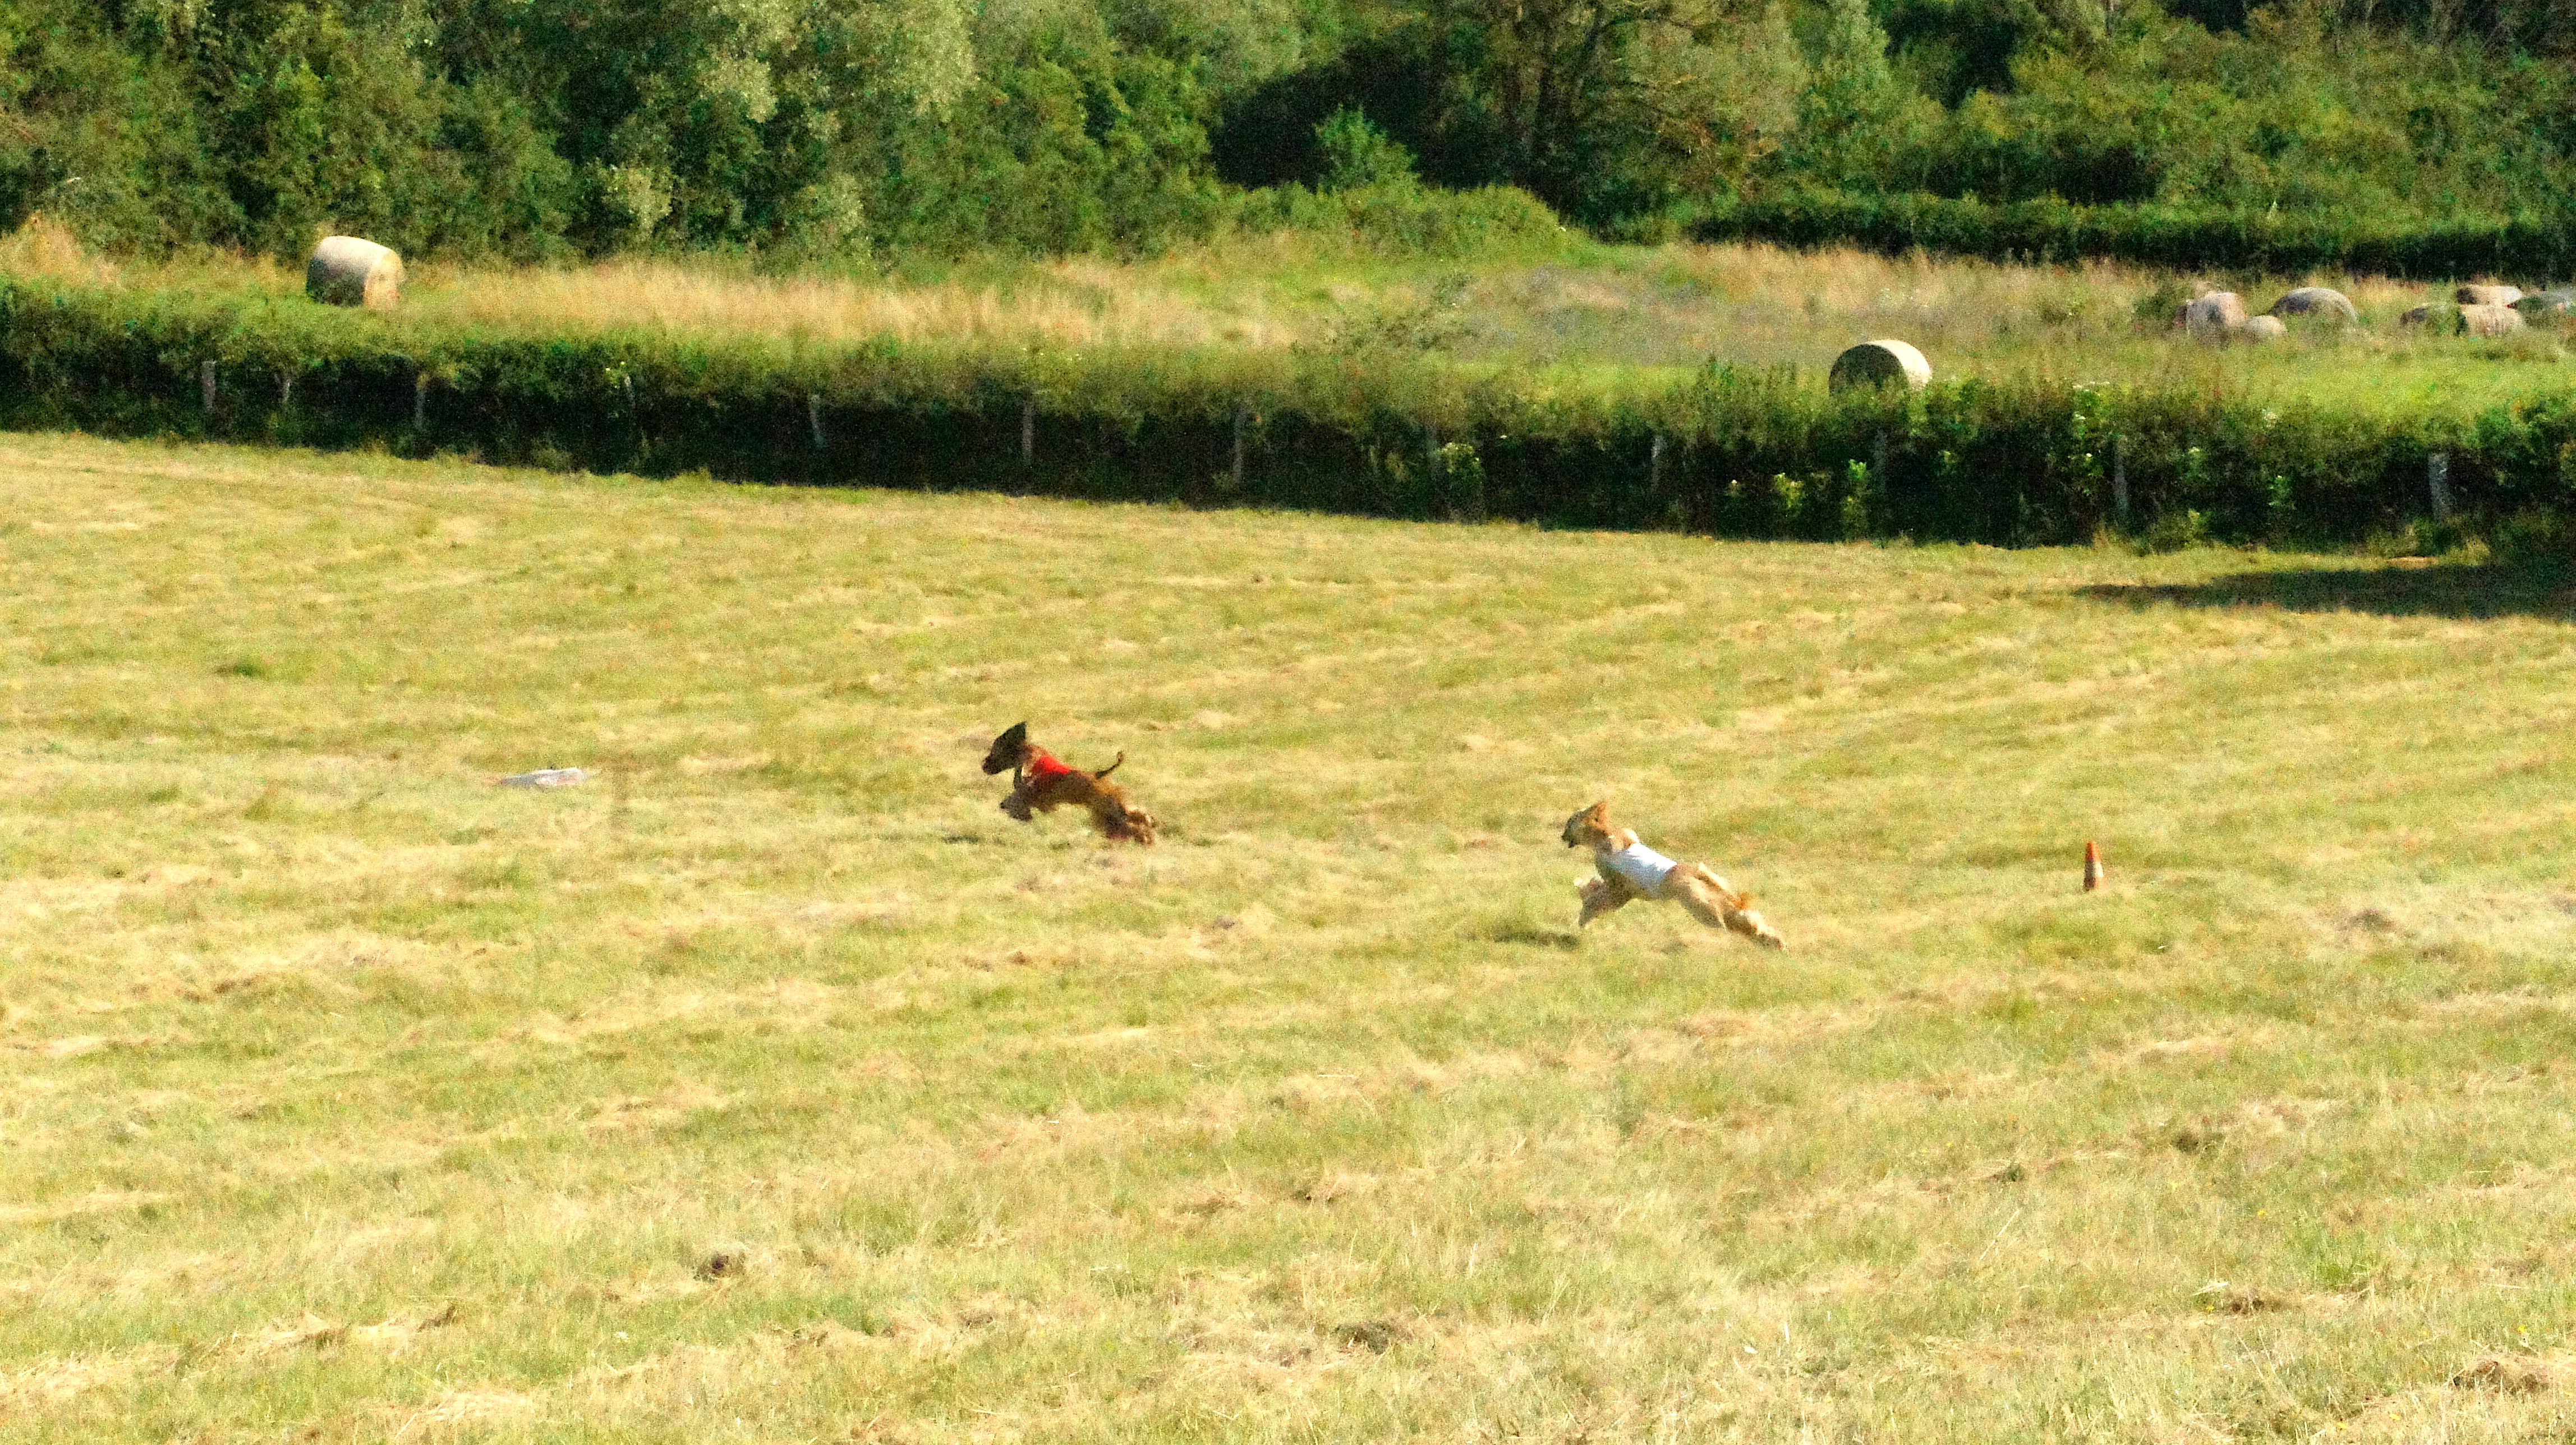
(344, 1093)
(1628, 315)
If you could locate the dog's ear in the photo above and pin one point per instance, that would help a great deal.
(1006, 749)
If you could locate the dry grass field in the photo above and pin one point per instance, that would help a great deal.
(774, 1087)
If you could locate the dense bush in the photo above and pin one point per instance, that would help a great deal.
(523, 128)
(2053, 230)
(1625, 115)
(830, 131)
(1731, 452)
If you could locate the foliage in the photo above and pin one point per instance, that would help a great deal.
(2178, 237)
(1358, 156)
(1733, 451)
(830, 133)
(527, 127)
(2289, 112)
(1852, 104)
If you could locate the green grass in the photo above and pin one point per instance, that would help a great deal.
(346, 1094)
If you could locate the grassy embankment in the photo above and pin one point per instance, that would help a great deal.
(1604, 315)
(344, 1090)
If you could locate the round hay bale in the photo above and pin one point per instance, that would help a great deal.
(2323, 303)
(2487, 295)
(2438, 313)
(347, 271)
(2546, 304)
(1880, 363)
(2262, 328)
(2489, 321)
(2213, 314)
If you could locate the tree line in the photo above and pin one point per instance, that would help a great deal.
(856, 131)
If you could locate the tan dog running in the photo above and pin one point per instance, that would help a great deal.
(1630, 870)
(1040, 784)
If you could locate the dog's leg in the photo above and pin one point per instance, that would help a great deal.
(1750, 924)
(1123, 822)
(1031, 795)
(1137, 826)
(1017, 804)
(1117, 819)
(1600, 896)
(1706, 899)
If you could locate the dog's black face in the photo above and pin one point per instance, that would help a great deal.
(1008, 749)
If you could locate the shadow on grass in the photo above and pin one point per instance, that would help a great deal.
(1537, 937)
(2395, 590)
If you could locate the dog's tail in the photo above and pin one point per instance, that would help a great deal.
(1113, 767)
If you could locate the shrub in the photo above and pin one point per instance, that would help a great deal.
(2176, 239)
(1381, 430)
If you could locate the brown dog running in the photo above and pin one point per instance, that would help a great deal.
(1040, 784)
(1630, 870)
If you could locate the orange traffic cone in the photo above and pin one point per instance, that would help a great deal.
(2092, 866)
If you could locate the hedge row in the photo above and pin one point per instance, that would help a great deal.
(2523, 247)
(1728, 451)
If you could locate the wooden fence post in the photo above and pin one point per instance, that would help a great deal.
(1242, 424)
(2437, 482)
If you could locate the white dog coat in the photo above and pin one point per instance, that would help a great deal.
(1638, 866)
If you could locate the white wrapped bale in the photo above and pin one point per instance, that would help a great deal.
(2489, 321)
(2487, 295)
(1880, 363)
(2551, 305)
(2320, 303)
(347, 271)
(2212, 315)
(2262, 328)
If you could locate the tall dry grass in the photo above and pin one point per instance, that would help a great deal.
(1613, 310)
(1070, 303)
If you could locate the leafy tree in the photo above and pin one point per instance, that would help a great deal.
(1610, 107)
(1853, 102)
